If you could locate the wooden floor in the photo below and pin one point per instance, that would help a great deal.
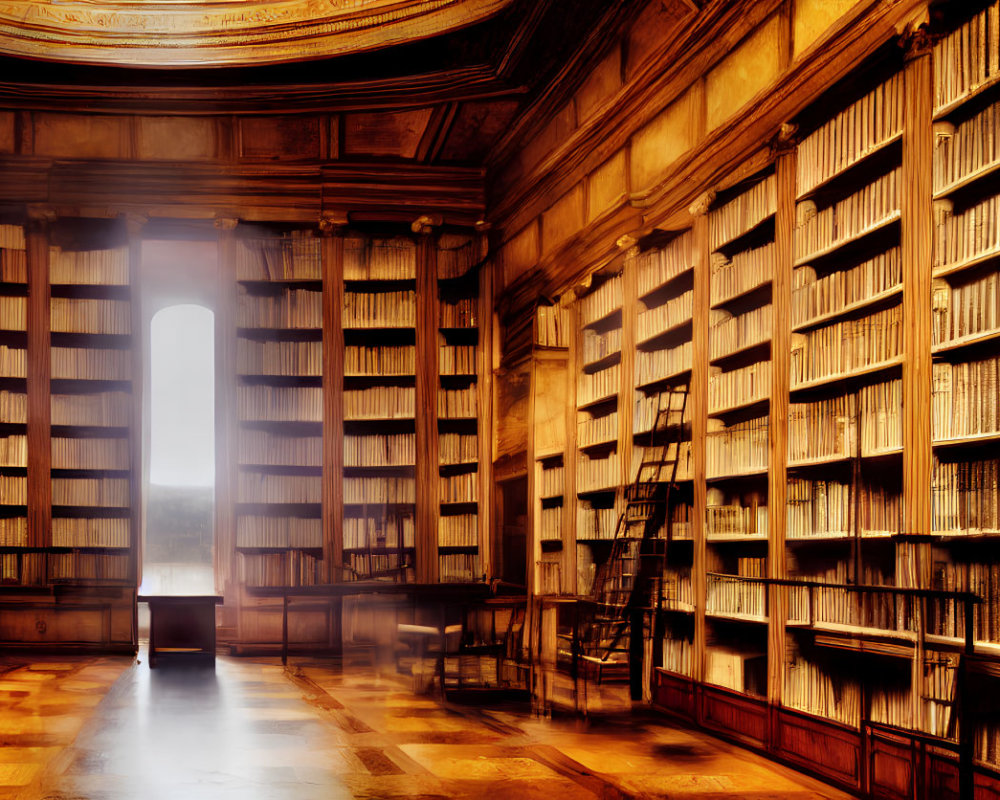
(111, 729)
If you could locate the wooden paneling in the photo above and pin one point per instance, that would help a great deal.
(828, 750)
(890, 768)
(734, 715)
(674, 693)
(377, 133)
(291, 137)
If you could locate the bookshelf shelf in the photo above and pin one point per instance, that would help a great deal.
(945, 110)
(966, 181)
(864, 156)
(975, 439)
(850, 309)
(962, 342)
(743, 295)
(967, 264)
(836, 381)
(870, 230)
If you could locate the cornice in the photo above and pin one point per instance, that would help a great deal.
(195, 32)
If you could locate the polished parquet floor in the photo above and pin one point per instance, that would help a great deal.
(91, 728)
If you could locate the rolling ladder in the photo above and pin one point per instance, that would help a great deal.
(631, 578)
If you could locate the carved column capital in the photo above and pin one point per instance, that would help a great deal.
(785, 140)
(134, 223)
(39, 216)
(332, 222)
(628, 244)
(916, 41)
(426, 223)
(701, 205)
(226, 223)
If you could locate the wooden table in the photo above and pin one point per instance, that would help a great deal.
(181, 626)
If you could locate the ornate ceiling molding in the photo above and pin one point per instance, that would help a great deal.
(174, 33)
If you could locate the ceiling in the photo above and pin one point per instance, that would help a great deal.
(174, 33)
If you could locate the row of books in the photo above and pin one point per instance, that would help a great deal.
(107, 267)
(835, 427)
(396, 309)
(818, 230)
(458, 530)
(940, 680)
(742, 273)
(271, 357)
(600, 345)
(728, 595)
(456, 255)
(968, 57)
(88, 315)
(457, 448)
(267, 531)
(965, 496)
(108, 409)
(13, 490)
(97, 492)
(379, 490)
(87, 567)
(659, 319)
(679, 523)
(743, 213)
(14, 450)
(292, 568)
(966, 310)
(677, 589)
(647, 407)
(595, 523)
(740, 670)
(91, 363)
(818, 508)
(13, 313)
(831, 695)
(815, 296)
(597, 430)
(677, 652)
(552, 328)
(602, 301)
(461, 488)
(835, 606)
(293, 308)
(280, 403)
(90, 532)
(745, 517)
(13, 362)
(457, 403)
(11, 237)
(458, 567)
(264, 487)
(550, 525)
(459, 314)
(367, 565)
(598, 385)
(380, 450)
(847, 137)
(655, 365)
(965, 398)
(265, 448)
(658, 265)
(391, 530)
(457, 359)
(847, 346)
(13, 531)
(947, 617)
(380, 402)
(549, 583)
(98, 453)
(962, 151)
(13, 407)
(553, 481)
(595, 474)
(729, 334)
(967, 235)
(736, 387)
(380, 361)
(369, 259)
(736, 449)
(13, 266)
(295, 257)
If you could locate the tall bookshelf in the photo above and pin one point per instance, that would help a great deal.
(69, 518)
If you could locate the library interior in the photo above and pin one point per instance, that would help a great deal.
(393, 394)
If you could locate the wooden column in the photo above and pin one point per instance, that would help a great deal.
(39, 376)
(570, 504)
(917, 251)
(133, 225)
(428, 491)
(332, 227)
(698, 403)
(626, 388)
(226, 426)
(777, 473)
(487, 410)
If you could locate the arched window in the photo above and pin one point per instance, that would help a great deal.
(181, 491)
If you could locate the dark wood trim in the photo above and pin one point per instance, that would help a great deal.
(39, 376)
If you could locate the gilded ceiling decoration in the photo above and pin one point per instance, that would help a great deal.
(222, 32)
